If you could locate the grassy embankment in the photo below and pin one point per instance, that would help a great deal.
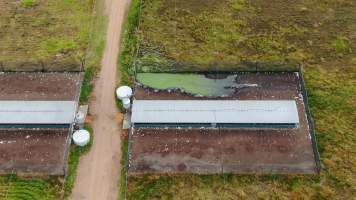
(69, 15)
(126, 68)
(215, 35)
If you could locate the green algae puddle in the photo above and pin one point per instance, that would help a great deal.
(196, 84)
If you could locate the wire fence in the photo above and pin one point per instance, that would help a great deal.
(310, 120)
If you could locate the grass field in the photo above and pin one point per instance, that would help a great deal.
(215, 35)
(14, 188)
(44, 35)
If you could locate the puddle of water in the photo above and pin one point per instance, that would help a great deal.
(196, 84)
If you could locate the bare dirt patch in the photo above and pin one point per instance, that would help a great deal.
(40, 86)
(35, 151)
(221, 151)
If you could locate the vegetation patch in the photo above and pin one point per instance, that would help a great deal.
(219, 35)
(44, 35)
(124, 168)
(129, 45)
(95, 50)
(129, 48)
(13, 187)
(28, 3)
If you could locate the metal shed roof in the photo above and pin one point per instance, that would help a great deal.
(215, 111)
(37, 112)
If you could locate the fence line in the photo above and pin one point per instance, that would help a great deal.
(310, 121)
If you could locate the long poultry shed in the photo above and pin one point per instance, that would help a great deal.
(215, 113)
(37, 113)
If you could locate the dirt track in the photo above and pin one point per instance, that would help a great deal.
(99, 170)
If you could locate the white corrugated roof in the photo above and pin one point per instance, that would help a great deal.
(214, 111)
(37, 112)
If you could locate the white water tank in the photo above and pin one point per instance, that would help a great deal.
(126, 102)
(81, 137)
(123, 92)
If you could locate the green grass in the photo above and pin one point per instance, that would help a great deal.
(95, 50)
(128, 49)
(28, 3)
(218, 35)
(129, 45)
(124, 164)
(44, 35)
(73, 162)
(341, 44)
(16, 188)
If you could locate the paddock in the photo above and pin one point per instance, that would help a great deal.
(37, 113)
(209, 150)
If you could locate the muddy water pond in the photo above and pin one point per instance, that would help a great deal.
(195, 84)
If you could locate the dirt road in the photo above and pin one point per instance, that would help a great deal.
(99, 170)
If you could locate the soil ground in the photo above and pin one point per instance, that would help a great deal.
(228, 150)
(35, 151)
(99, 170)
(40, 86)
